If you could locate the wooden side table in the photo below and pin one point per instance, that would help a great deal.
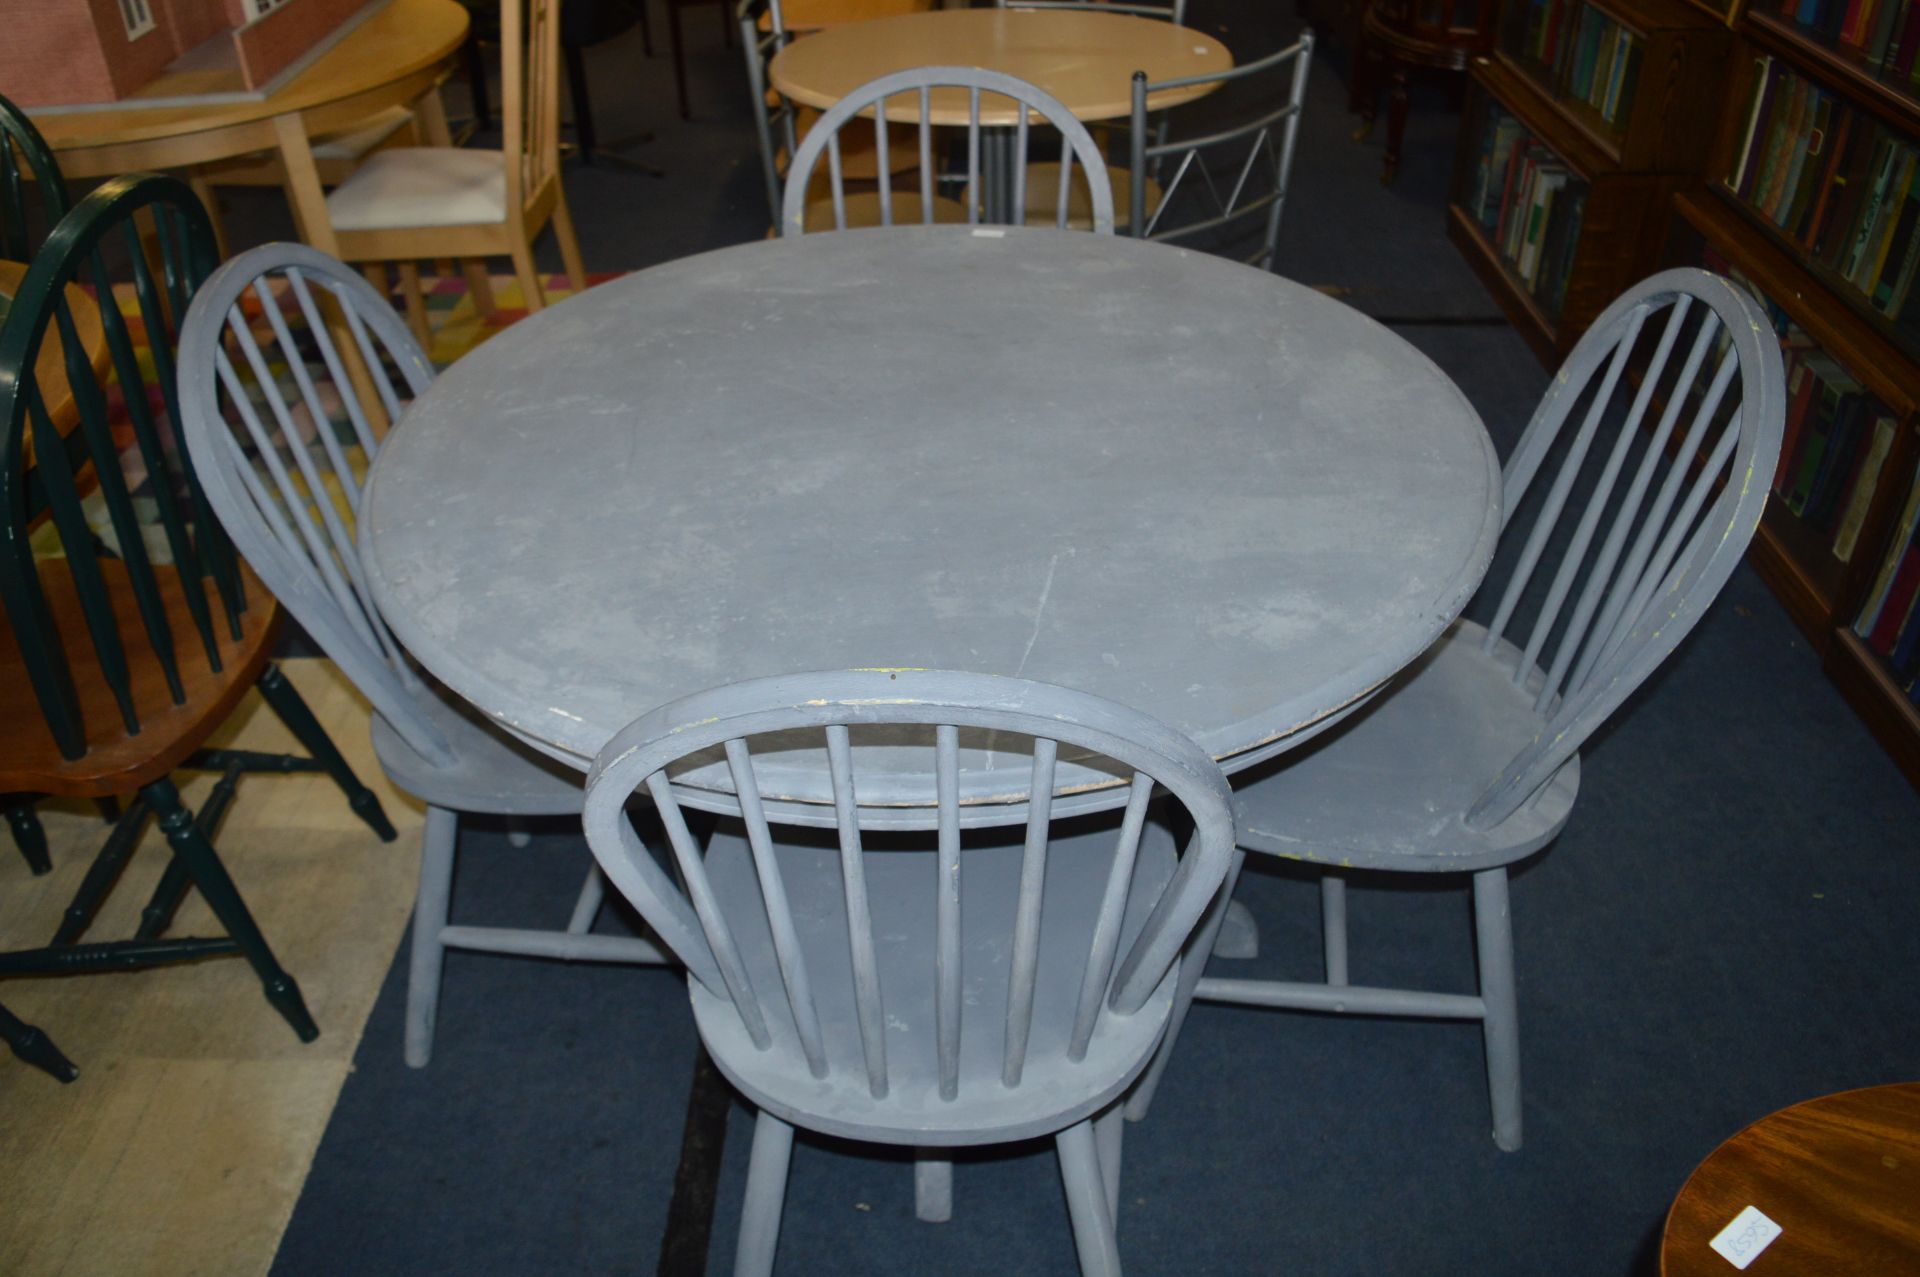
(1399, 37)
(1840, 1175)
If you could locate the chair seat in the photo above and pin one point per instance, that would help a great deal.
(1043, 196)
(116, 762)
(416, 186)
(900, 887)
(363, 137)
(1390, 787)
(492, 773)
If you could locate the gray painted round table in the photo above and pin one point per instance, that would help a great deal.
(1163, 477)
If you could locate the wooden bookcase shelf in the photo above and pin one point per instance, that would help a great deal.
(1544, 99)
(1822, 593)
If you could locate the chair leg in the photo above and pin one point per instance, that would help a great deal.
(1493, 933)
(1193, 963)
(518, 835)
(35, 1047)
(217, 889)
(932, 1185)
(587, 907)
(1109, 1129)
(1333, 926)
(103, 872)
(479, 286)
(569, 243)
(766, 1195)
(437, 843)
(416, 302)
(285, 698)
(28, 834)
(1087, 1202)
(646, 28)
(1396, 120)
(679, 57)
(528, 275)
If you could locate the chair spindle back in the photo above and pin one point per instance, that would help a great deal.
(530, 95)
(67, 445)
(926, 89)
(694, 926)
(20, 230)
(285, 471)
(1680, 401)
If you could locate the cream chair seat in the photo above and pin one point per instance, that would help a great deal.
(421, 186)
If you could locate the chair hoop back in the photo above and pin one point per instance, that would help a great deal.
(285, 478)
(17, 134)
(1210, 181)
(65, 443)
(919, 85)
(693, 926)
(1640, 545)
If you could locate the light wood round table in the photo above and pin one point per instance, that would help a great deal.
(1151, 474)
(394, 58)
(1839, 1175)
(1087, 60)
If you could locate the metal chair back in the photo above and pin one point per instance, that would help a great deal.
(1174, 12)
(1214, 177)
(1633, 537)
(773, 114)
(20, 229)
(918, 85)
(692, 922)
(77, 252)
(285, 470)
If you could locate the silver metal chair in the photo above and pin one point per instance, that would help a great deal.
(1174, 12)
(1206, 182)
(906, 993)
(773, 114)
(996, 170)
(1469, 761)
(287, 483)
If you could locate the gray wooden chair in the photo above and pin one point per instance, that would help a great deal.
(1469, 761)
(1204, 182)
(287, 478)
(910, 994)
(996, 165)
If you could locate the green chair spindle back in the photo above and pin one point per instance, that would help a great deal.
(18, 240)
(64, 471)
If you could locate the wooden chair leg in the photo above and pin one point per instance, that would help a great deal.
(210, 199)
(766, 1196)
(569, 243)
(1493, 934)
(286, 702)
(1333, 926)
(35, 1047)
(1193, 963)
(437, 843)
(479, 284)
(416, 302)
(932, 1186)
(1087, 1201)
(28, 834)
(529, 276)
(217, 889)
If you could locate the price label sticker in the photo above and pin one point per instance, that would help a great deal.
(1740, 1242)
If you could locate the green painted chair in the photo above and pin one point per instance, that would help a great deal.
(134, 628)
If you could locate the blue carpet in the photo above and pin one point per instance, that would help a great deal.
(1724, 928)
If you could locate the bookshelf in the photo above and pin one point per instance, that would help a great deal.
(1588, 118)
(1811, 196)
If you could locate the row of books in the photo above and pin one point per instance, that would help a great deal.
(1591, 58)
(1882, 34)
(1837, 435)
(1844, 187)
(1529, 204)
(1890, 621)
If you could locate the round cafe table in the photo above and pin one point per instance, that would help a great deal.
(1204, 491)
(396, 57)
(1085, 59)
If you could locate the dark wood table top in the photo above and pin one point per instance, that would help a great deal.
(1840, 1175)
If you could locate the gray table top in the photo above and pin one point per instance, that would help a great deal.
(1152, 474)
